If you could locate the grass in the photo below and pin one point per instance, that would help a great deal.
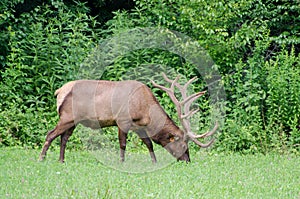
(208, 176)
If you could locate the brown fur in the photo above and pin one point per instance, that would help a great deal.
(130, 105)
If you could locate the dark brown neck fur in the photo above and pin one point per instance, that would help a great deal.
(169, 130)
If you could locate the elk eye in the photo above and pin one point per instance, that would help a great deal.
(172, 139)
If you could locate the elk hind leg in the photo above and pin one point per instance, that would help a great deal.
(63, 142)
(50, 137)
(58, 130)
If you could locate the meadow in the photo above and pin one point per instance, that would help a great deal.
(209, 175)
(250, 47)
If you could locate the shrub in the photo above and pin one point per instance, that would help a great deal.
(47, 46)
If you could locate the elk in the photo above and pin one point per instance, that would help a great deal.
(129, 105)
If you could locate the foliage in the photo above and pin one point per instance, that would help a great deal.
(47, 46)
(254, 44)
(242, 39)
(263, 115)
(6, 18)
(282, 100)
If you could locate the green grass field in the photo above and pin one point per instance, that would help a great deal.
(208, 176)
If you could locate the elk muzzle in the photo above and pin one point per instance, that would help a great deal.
(185, 157)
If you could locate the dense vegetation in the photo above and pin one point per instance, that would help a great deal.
(255, 45)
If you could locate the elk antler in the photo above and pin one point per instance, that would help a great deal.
(183, 108)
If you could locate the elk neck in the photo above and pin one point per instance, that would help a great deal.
(168, 131)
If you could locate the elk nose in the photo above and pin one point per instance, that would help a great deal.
(184, 157)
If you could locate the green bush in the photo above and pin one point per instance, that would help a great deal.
(254, 44)
(282, 116)
(47, 46)
(264, 111)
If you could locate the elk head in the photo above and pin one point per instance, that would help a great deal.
(184, 114)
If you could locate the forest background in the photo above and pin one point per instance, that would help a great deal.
(255, 45)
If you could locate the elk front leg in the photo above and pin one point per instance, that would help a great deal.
(145, 138)
(63, 142)
(149, 145)
(122, 141)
